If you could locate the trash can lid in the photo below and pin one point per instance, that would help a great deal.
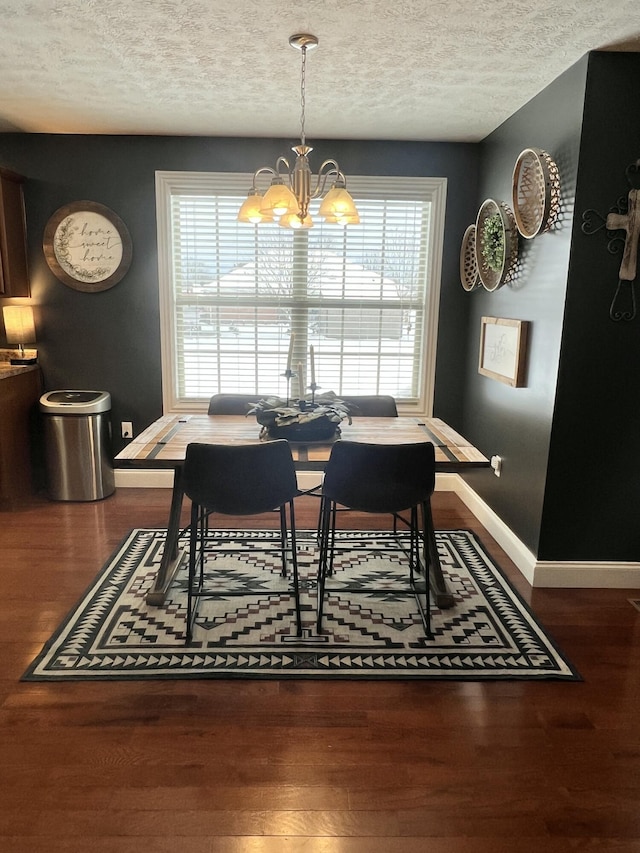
(75, 402)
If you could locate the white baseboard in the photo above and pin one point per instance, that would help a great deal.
(547, 573)
(143, 478)
(588, 575)
(157, 478)
(539, 573)
(523, 558)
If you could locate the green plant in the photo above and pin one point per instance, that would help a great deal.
(492, 242)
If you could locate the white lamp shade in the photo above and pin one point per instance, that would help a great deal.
(344, 220)
(19, 324)
(251, 212)
(292, 220)
(279, 200)
(338, 203)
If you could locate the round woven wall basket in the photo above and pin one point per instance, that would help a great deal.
(468, 264)
(496, 244)
(535, 192)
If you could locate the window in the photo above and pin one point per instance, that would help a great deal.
(365, 296)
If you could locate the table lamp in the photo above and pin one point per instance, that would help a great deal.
(21, 330)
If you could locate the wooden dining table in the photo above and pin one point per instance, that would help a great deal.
(163, 444)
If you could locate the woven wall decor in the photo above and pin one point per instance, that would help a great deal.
(535, 192)
(468, 264)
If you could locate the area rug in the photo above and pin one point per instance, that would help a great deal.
(490, 633)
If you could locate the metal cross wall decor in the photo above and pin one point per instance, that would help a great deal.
(623, 216)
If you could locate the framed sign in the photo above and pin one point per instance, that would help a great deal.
(87, 246)
(503, 346)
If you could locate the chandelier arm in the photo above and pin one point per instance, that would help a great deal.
(324, 174)
(275, 173)
(284, 162)
(263, 170)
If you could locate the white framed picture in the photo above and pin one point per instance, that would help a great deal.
(503, 345)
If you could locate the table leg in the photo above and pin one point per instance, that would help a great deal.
(443, 598)
(170, 555)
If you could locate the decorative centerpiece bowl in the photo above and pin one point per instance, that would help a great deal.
(304, 420)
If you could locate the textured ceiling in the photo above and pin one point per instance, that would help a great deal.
(407, 69)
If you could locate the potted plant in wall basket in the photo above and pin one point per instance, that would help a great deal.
(492, 242)
(496, 244)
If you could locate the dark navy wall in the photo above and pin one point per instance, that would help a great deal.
(593, 484)
(111, 340)
(570, 484)
(515, 423)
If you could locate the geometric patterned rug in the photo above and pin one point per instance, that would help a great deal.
(113, 633)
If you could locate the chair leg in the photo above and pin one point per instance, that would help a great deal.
(419, 536)
(198, 543)
(333, 516)
(325, 526)
(283, 541)
(294, 565)
(195, 557)
(319, 526)
(204, 542)
(426, 521)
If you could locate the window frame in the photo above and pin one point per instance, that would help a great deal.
(428, 189)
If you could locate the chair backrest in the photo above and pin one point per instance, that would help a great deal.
(380, 477)
(372, 406)
(233, 404)
(243, 479)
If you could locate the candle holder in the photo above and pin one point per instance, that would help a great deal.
(289, 375)
(313, 387)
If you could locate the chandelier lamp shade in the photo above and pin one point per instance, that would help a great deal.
(292, 188)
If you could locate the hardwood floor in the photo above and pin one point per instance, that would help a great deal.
(314, 767)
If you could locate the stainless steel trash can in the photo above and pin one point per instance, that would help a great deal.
(77, 433)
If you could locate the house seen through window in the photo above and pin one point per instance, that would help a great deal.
(364, 296)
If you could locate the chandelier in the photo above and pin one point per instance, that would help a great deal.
(290, 192)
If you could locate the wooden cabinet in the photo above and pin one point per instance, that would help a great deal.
(20, 391)
(14, 275)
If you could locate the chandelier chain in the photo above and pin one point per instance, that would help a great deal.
(303, 94)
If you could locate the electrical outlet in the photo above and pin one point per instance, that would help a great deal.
(127, 429)
(496, 464)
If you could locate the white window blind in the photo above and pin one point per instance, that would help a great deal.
(365, 296)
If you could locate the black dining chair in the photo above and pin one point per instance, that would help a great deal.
(371, 405)
(380, 478)
(367, 405)
(247, 479)
(233, 404)
(363, 406)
